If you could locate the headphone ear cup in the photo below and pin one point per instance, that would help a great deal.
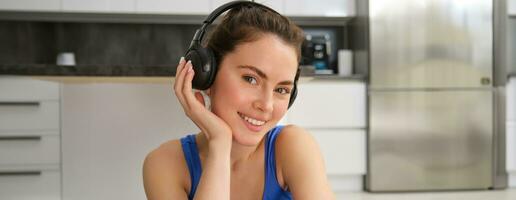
(293, 96)
(204, 66)
(210, 56)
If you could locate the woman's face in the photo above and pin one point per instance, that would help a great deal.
(252, 89)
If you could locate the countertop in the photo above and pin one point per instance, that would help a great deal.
(116, 73)
(86, 70)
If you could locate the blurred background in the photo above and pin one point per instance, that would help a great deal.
(406, 98)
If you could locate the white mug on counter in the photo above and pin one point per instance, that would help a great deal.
(66, 59)
(345, 62)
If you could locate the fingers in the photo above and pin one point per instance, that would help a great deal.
(187, 87)
(193, 104)
(183, 87)
(180, 65)
(179, 82)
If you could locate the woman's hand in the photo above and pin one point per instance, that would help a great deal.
(216, 130)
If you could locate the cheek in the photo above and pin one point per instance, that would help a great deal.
(226, 93)
(280, 109)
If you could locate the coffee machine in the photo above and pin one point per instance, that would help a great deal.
(316, 52)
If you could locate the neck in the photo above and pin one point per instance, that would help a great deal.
(239, 153)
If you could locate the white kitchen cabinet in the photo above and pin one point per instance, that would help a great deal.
(511, 7)
(108, 129)
(30, 150)
(193, 7)
(26, 89)
(32, 115)
(125, 6)
(511, 99)
(216, 3)
(511, 147)
(31, 5)
(344, 150)
(322, 8)
(333, 111)
(277, 5)
(511, 152)
(330, 104)
(511, 127)
(30, 142)
(31, 186)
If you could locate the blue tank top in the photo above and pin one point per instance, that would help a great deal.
(272, 189)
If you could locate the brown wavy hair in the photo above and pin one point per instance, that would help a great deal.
(247, 23)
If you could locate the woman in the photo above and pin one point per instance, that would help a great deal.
(240, 152)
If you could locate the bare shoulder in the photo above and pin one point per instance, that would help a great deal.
(165, 173)
(295, 145)
(293, 137)
(295, 142)
(301, 164)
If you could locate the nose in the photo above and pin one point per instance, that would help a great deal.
(264, 102)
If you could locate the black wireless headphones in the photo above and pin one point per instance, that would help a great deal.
(203, 59)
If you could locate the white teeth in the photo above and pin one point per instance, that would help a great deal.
(253, 121)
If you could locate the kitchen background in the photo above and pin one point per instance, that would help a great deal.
(82, 131)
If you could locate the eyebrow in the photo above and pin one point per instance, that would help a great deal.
(263, 75)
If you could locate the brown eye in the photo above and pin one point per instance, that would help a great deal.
(249, 79)
(283, 90)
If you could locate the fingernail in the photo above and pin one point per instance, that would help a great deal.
(189, 66)
(181, 60)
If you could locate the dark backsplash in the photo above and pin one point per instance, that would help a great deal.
(119, 44)
(24, 42)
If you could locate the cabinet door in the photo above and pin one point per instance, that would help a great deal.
(511, 126)
(30, 185)
(343, 150)
(511, 147)
(511, 99)
(30, 5)
(193, 7)
(29, 150)
(24, 116)
(99, 5)
(277, 5)
(27, 89)
(334, 8)
(511, 5)
(329, 104)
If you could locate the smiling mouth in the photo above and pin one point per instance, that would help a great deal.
(252, 121)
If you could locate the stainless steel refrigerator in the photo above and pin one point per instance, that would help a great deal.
(432, 100)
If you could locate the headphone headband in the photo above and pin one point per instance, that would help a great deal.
(199, 33)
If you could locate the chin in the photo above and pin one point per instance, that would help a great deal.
(248, 138)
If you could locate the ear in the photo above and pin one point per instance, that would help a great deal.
(208, 91)
(200, 97)
(206, 98)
